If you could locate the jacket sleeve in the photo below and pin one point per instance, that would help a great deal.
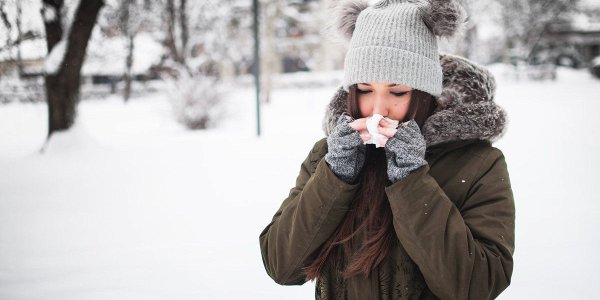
(466, 253)
(306, 219)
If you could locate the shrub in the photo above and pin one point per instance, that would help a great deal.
(196, 100)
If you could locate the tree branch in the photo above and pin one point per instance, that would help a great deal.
(52, 22)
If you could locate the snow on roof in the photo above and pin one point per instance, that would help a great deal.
(583, 22)
(30, 50)
(585, 19)
(105, 56)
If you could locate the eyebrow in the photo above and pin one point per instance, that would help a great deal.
(389, 85)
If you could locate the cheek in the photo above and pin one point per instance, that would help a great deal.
(365, 107)
(398, 110)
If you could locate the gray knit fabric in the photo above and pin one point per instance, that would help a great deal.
(405, 151)
(346, 150)
(391, 43)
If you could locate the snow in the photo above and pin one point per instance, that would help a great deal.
(584, 22)
(49, 13)
(129, 205)
(33, 49)
(552, 159)
(55, 59)
(106, 56)
(596, 61)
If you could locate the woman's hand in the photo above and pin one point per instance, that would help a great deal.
(346, 149)
(405, 149)
(386, 129)
(360, 125)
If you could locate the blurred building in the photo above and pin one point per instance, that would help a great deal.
(574, 42)
(32, 55)
(102, 72)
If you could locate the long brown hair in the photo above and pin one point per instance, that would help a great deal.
(370, 209)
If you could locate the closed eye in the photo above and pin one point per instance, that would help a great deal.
(400, 94)
(363, 91)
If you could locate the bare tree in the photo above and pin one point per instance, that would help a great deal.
(133, 18)
(130, 33)
(270, 57)
(19, 37)
(525, 21)
(7, 24)
(63, 80)
(4, 17)
(177, 49)
(128, 19)
(14, 33)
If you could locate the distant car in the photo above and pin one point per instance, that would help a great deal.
(595, 67)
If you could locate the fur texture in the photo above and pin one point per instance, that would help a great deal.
(335, 108)
(443, 17)
(466, 108)
(346, 14)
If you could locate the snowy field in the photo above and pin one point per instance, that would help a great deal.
(129, 205)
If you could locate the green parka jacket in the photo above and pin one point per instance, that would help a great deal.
(454, 218)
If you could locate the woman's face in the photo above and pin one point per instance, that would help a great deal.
(384, 98)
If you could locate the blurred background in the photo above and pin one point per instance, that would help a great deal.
(139, 160)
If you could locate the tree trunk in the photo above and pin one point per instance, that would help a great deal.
(183, 22)
(170, 39)
(62, 87)
(128, 65)
(130, 34)
(53, 26)
(269, 51)
(19, 38)
(470, 40)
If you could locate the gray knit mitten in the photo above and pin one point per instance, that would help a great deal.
(346, 150)
(405, 151)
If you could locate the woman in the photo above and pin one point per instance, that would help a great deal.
(430, 215)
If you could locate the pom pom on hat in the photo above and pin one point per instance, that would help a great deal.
(443, 17)
(346, 14)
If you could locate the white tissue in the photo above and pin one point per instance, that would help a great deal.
(372, 124)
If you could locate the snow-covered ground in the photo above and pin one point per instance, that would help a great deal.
(129, 205)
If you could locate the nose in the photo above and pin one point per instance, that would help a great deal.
(380, 106)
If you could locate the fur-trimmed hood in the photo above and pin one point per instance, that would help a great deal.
(466, 109)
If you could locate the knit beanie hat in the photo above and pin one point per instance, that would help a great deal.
(395, 41)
